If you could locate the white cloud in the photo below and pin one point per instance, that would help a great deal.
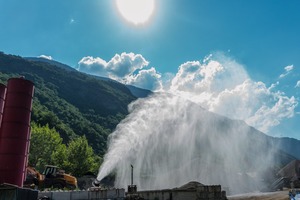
(91, 65)
(45, 57)
(273, 85)
(270, 116)
(219, 84)
(126, 64)
(146, 78)
(297, 84)
(287, 69)
(127, 68)
(202, 81)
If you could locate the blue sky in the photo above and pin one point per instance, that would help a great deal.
(257, 42)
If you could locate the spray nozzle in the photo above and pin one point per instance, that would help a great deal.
(96, 183)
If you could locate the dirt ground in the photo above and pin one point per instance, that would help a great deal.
(280, 195)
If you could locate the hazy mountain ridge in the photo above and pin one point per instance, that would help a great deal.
(289, 145)
(51, 62)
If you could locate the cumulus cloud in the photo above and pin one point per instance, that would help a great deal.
(127, 68)
(297, 84)
(46, 57)
(146, 78)
(222, 85)
(126, 64)
(91, 65)
(217, 83)
(268, 116)
(288, 70)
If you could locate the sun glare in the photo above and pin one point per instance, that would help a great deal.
(136, 11)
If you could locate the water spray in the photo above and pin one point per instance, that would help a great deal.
(172, 138)
(171, 141)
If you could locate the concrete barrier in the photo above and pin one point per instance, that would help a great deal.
(210, 192)
(94, 194)
(79, 195)
(11, 192)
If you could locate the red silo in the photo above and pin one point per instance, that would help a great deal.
(2, 100)
(15, 131)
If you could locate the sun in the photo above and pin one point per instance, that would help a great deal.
(136, 11)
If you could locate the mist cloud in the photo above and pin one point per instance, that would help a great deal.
(217, 83)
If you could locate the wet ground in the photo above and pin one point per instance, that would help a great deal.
(280, 195)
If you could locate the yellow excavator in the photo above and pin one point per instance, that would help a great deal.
(52, 177)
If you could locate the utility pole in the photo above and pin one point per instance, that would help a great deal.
(131, 174)
(132, 188)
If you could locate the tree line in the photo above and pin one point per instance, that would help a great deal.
(47, 148)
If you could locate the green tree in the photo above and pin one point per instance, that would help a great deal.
(81, 157)
(44, 142)
(60, 158)
(47, 148)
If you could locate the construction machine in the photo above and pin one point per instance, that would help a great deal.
(52, 177)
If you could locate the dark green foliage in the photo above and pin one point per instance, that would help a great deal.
(73, 103)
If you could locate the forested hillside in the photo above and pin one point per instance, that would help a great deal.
(73, 103)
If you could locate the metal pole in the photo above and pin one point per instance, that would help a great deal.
(131, 175)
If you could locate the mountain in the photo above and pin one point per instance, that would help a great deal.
(135, 91)
(288, 145)
(75, 103)
(138, 92)
(51, 62)
(72, 102)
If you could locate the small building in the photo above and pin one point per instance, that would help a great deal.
(191, 191)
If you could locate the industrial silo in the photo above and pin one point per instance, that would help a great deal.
(2, 101)
(15, 131)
